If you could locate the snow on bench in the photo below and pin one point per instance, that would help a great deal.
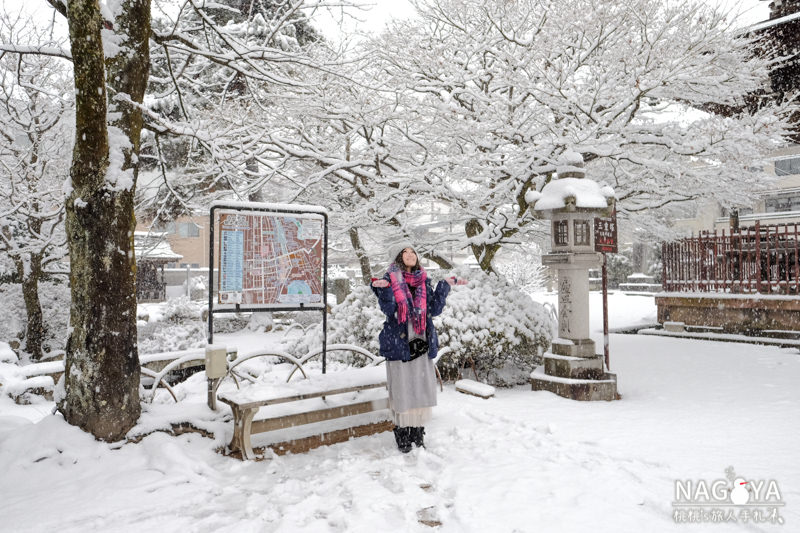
(318, 399)
(468, 386)
(38, 379)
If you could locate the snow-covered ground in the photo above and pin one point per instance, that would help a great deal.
(521, 461)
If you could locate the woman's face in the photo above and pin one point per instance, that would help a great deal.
(409, 257)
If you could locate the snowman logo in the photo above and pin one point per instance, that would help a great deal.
(740, 490)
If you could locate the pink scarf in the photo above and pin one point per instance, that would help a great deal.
(402, 294)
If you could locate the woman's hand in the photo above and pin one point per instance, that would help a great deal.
(455, 281)
(380, 283)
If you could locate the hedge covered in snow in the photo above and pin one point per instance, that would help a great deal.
(495, 325)
(488, 322)
(357, 320)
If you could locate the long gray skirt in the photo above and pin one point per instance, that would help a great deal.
(412, 390)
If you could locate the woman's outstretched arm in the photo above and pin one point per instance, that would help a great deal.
(385, 298)
(437, 298)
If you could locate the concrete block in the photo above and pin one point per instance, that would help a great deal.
(604, 389)
(573, 367)
(573, 347)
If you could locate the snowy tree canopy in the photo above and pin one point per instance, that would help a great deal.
(472, 105)
(36, 115)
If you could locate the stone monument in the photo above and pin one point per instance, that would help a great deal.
(571, 368)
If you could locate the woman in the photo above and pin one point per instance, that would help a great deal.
(409, 302)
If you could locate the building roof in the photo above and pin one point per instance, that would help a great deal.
(773, 22)
(153, 246)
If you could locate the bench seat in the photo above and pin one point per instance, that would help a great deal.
(356, 395)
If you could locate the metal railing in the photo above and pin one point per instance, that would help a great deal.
(760, 259)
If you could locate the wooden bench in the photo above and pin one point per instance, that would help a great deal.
(261, 408)
(37, 379)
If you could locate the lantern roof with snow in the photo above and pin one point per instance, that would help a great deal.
(571, 191)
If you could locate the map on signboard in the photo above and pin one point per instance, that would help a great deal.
(270, 259)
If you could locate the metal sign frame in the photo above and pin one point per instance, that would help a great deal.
(256, 208)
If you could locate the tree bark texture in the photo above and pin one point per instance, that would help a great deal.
(363, 258)
(484, 253)
(34, 330)
(102, 364)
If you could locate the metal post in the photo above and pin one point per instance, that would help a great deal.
(211, 278)
(605, 312)
(212, 398)
(758, 256)
(325, 294)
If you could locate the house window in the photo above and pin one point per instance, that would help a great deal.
(188, 229)
(788, 166)
(561, 232)
(780, 204)
(164, 227)
(582, 233)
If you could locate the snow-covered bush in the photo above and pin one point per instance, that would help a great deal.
(489, 322)
(260, 322)
(523, 268)
(198, 287)
(7, 355)
(182, 309)
(357, 320)
(178, 325)
(492, 324)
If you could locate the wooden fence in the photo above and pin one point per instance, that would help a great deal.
(757, 259)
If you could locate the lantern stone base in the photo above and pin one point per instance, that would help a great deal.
(573, 347)
(576, 389)
(564, 366)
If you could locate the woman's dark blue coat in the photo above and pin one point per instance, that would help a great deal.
(394, 337)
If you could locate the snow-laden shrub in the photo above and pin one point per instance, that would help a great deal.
(7, 355)
(492, 324)
(198, 287)
(157, 337)
(523, 268)
(357, 320)
(260, 322)
(182, 309)
(488, 322)
(175, 325)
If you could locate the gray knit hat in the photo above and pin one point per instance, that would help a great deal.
(397, 247)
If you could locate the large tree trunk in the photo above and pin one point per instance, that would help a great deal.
(30, 274)
(102, 364)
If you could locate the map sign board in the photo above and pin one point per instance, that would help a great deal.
(605, 234)
(270, 259)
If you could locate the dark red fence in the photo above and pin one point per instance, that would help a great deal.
(757, 259)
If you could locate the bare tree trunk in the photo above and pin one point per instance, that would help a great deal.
(34, 330)
(439, 260)
(363, 259)
(485, 253)
(102, 364)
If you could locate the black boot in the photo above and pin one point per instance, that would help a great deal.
(418, 436)
(403, 438)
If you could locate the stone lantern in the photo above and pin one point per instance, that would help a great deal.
(571, 368)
